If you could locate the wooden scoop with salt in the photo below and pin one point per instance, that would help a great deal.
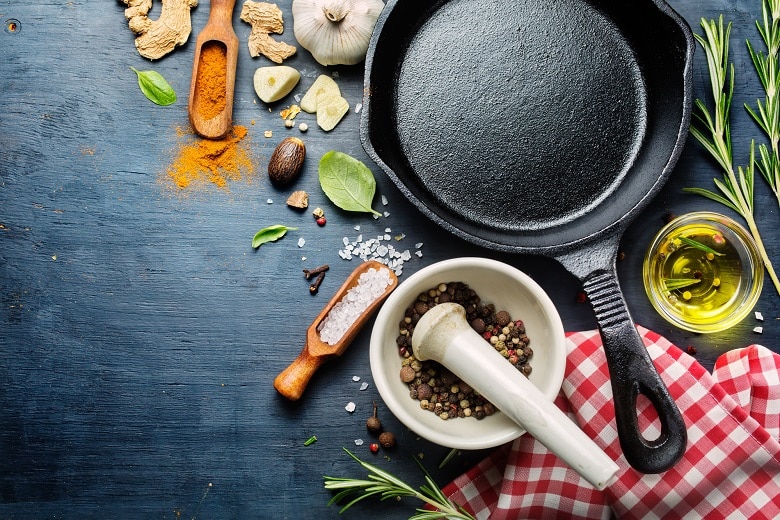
(331, 332)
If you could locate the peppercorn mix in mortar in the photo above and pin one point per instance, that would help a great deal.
(437, 389)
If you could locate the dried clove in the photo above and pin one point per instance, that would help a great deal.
(316, 285)
(308, 273)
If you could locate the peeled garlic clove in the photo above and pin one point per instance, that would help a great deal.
(273, 83)
(330, 110)
(322, 85)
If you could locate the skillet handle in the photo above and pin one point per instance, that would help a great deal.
(632, 373)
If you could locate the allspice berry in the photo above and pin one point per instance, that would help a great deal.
(387, 440)
(407, 374)
(373, 424)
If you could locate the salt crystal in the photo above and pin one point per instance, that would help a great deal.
(376, 217)
(345, 240)
(350, 407)
(418, 253)
(418, 245)
(384, 200)
(357, 227)
(356, 378)
(358, 442)
(371, 285)
(406, 255)
(386, 237)
(759, 316)
(358, 107)
(386, 213)
(270, 201)
(301, 242)
(388, 230)
(759, 330)
(363, 385)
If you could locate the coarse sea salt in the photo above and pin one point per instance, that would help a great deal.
(380, 249)
(371, 285)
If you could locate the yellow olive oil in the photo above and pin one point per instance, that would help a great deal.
(699, 271)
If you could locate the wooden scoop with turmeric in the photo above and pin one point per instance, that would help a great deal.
(214, 73)
(338, 323)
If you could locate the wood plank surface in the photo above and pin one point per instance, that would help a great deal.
(139, 331)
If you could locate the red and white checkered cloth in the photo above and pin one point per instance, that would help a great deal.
(731, 467)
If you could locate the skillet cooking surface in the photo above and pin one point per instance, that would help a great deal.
(527, 135)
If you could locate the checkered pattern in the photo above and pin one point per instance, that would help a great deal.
(731, 467)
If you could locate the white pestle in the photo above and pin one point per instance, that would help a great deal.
(444, 335)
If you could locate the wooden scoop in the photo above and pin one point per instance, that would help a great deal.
(293, 380)
(209, 117)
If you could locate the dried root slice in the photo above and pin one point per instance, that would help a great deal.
(322, 85)
(265, 19)
(156, 38)
(330, 110)
(298, 199)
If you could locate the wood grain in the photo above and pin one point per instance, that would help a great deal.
(139, 331)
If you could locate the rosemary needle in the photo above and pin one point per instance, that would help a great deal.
(672, 284)
(698, 245)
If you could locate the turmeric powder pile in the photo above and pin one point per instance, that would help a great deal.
(212, 162)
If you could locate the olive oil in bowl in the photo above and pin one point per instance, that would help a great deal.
(703, 272)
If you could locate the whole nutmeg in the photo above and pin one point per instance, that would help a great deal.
(387, 440)
(286, 161)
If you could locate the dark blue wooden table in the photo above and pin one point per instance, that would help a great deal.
(139, 331)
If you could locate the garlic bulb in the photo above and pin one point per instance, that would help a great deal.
(336, 32)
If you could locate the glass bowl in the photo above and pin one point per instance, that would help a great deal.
(703, 272)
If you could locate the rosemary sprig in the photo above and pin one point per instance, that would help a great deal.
(713, 132)
(767, 113)
(384, 485)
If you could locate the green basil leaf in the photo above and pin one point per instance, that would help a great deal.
(155, 88)
(347, 182)
(270, 234)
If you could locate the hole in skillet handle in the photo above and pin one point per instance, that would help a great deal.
(632, 373)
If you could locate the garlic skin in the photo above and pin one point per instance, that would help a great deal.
(336, 32)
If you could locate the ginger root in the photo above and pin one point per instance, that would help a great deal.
(156, 38)
(265, 19)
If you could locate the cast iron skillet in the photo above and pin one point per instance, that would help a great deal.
(541, 127)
